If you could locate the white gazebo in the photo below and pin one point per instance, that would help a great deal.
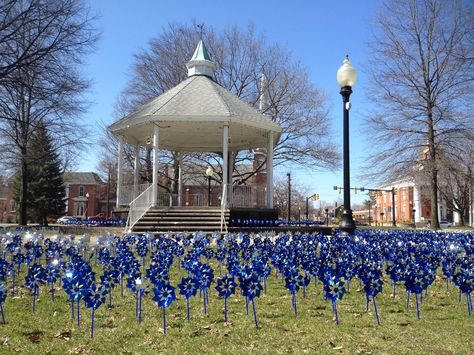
(197, 115)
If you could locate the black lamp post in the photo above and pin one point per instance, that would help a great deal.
(209, 173)
(289, 196)
(414, 217)
(327, 217)
(346, 77)
(87, 204)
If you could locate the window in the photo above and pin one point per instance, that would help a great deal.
(81, 191)
(80, 209)
(13, 206)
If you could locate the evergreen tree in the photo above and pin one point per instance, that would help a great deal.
(46, 193)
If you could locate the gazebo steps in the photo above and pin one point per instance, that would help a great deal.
(159, 220)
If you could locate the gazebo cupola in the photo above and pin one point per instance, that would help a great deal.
(201, 63)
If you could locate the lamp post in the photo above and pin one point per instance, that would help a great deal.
(87, 203)
(327, 216)
(346, 77)
(209, 173)
(414, 222)
(289, 195)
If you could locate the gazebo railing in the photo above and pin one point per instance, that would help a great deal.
(246, 196)
(139, 206)
(128, 193)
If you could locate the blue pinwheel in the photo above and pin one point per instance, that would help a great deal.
(52, 274)
(94, 298)
(293, 282)
(36, 277)
(76, 287)
(226, 287)
(188, 288)
(252, 288)
(334, 290)
(109, 279)
(3, 297)
(164, 296)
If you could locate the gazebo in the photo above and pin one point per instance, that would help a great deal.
(197, 115)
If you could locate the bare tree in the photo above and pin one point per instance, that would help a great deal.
(46, 90)
(241, 57)
(422, 81)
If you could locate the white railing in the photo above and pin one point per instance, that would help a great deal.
(139, 206)
(247, 196)
(166, 199)
(223, 209)
(128, 193)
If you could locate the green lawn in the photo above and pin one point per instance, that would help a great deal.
(444, 328)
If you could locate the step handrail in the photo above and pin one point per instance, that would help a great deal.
(223, 208)
(138, 207)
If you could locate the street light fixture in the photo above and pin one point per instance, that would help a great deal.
(327, 216)
(346, 78)
(87, 203)
(209, 173)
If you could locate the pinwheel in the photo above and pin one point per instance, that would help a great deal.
(188, 288)
(293, 282)
(94, 297)
(52, 274)
(36, 277)
(226, 287)
(334, 290)
(252, 288)
(3, 297)
(164, 296)
(109, 279)
(76, 287)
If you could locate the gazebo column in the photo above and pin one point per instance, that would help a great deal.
(230, 172)
(136, 170)
(225, 156)
(119, 171)
(270, 170)
(180, 179)
(154, 198)
(417, 203)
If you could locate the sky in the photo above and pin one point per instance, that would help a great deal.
(318, 33)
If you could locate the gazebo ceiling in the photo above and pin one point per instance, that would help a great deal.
(191, 117)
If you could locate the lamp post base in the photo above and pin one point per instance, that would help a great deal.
(347, 224)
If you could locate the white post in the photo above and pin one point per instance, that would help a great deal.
(417, 203)
(155, 166)
(180, 179)
(136, 171)
(230, 172)
(225, 155)
(119, 171)
(270, 170)
(456, 216)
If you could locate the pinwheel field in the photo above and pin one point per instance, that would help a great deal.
(375, 292)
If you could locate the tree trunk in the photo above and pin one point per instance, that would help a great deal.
(24, 190)
(433, 170)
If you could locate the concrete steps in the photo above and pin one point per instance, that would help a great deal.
(158, 220)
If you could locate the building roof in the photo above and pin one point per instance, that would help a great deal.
(191, 116)
(81, 178)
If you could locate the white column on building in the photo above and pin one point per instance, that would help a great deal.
(225, 155)
(180, 179)
(155, 166)
(417, 203)
(456, 216)
(119, 171)
(270, 170)
(136, 170)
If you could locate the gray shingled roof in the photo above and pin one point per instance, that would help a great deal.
(81, 178)
(199, 97)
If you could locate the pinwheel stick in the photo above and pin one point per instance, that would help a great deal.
(254, 314)
(225, 308)
(140, 307)
(188, 308)
(293, 299)
(3, 314)
(13, 283)
(164, 320)
(334, 308)
(92, 326)
(78, 313)
(468, 300)
(376, 312)
(136, 303)
(417, 306)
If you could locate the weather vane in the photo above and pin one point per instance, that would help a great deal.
(201, 30)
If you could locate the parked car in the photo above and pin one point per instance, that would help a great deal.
(445, 224)
(98, 217)
(66, 220)
(358, 223)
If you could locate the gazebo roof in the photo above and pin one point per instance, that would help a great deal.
(191, 117)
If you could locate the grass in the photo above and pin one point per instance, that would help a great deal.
(444, 328)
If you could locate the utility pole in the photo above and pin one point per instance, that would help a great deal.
(289, 196)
